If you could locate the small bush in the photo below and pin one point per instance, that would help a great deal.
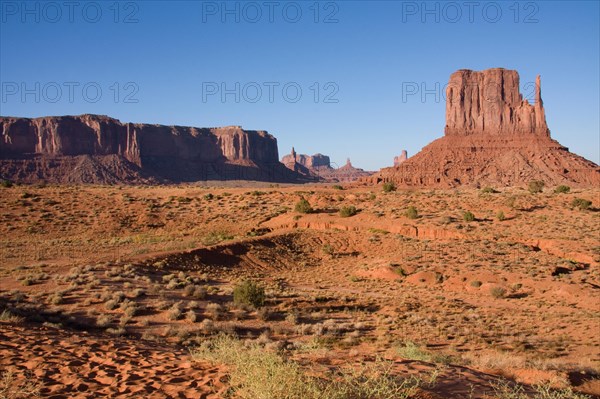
(303, 206)
(508, 390)
(476, 283)
(347, 211)
(500, 216)
(337, 187)
(468, 216)
(498, 292)
(562, 189)
(535, 186)
(208, 196)
(389, 187)
(249, 293)
(6, 183)
(581, 203)
(412, 212)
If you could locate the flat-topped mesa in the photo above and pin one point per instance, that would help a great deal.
(489, 102)
(107, 147)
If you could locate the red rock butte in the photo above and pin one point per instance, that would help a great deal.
(492, 137)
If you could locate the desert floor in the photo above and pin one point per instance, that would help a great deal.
(106, 291)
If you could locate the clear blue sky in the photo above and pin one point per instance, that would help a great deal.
(171, 57)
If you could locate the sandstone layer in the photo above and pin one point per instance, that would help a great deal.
(492, 137)
(401, 158)
(100, 149)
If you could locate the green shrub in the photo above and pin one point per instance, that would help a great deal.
(389, 187)
(476, 283)
(562, 189)
(412, 212)
(249, 293)
(303, 206)
(337, 187)
(500, 216)
(468, 216)
(581, 203)
(535, 186)
(6, 183)
(347, 211)
(209, 196)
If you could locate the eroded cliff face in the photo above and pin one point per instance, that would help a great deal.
(175, 153)
(492, 137)
(489, 102)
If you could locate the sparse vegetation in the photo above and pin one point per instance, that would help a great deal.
(562, 189)
(581, 204)
(489, 190)
(500, 216)
(11, 387)
(498, 292)
(260, 374)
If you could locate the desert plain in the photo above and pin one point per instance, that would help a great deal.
(243, 289)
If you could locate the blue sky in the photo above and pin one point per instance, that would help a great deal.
(355, 63)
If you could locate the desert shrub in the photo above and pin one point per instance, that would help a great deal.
(250, 293)
(303, 206)
(498, 292)
(191, 316)
(562, 189)
(468, 216)
(347, 211)
(337, 187)
(535, 186)
(581, 203)
(389, 187)
(208, 196)
(488, 190)
(412, 212)
(174, 312)
(476, 283)
(508, 390)
(11, 388)
(6, 183)
(500, 216)
(215, 237)
(412, 351)
(260, 374)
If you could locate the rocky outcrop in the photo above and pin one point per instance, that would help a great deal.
(318, 166)
(103, 150)
(400, 158)
(492, 137)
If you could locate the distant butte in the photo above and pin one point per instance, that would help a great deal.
(318, 166)
(492, 137)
